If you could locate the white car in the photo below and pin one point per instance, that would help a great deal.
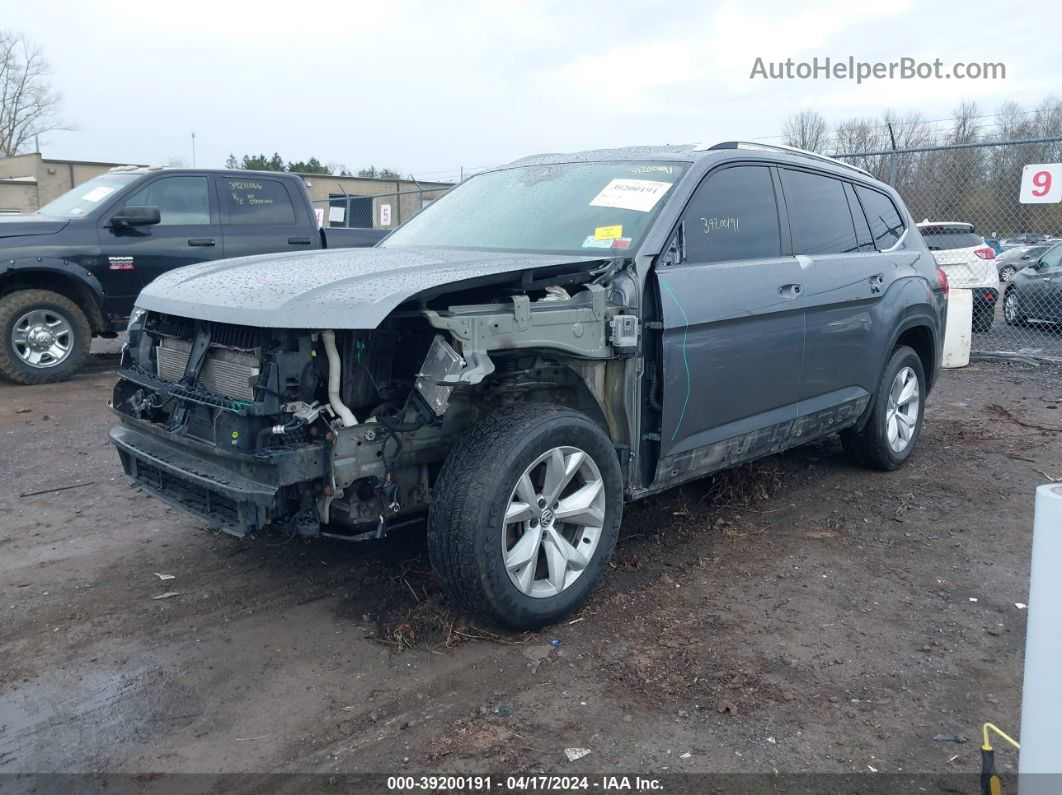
(968, 262)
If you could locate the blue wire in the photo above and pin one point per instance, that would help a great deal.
(685, 360)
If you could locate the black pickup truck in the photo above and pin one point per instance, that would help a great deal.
(71, 271)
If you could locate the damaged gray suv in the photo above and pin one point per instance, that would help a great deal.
(547, 341)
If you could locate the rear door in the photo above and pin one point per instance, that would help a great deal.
(258, 216)
(189, 232)
(733, 315)
(844, 277)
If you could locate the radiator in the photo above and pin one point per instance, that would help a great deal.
(225, 372)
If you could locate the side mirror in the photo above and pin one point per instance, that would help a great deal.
(136, 216)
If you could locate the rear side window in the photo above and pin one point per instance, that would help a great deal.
(885, 222)
(256, 201)
(942, 238)
(819, 217)
(733, 216)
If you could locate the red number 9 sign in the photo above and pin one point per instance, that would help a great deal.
(1040, 184)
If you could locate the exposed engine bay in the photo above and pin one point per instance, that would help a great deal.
(340, 431)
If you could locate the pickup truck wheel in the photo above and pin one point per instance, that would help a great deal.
(525, 514)
(891, 432)
(46, 337)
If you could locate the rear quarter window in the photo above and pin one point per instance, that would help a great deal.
(886, 223)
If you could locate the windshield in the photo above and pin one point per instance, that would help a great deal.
(942, 238)
(582, 208)
(86, 197)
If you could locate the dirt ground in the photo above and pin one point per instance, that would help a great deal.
(795, 615)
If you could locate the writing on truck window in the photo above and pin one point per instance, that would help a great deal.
(246, 193)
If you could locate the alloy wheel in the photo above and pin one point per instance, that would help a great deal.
(1010, 307)
(553, 522)
(901, 418)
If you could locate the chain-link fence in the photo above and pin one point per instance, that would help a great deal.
(374, 211)
(1009, 254)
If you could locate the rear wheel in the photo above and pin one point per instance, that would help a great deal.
(1012, 312)
(890, 434)
(525, 514)
(46, 337)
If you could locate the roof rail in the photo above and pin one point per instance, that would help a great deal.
(792, 150)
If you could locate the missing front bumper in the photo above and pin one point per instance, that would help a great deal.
(237, 496)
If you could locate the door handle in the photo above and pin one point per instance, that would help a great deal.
(200, 241)
(299, 241)
(789, 290)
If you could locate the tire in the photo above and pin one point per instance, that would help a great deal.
(1007, 273)
(983, 316)
(1012, 313)
(28, 312)
(469, 540)
(870, 447)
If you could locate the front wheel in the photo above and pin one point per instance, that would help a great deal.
(1012, 309)
(891, 432)
(1007, 273)
(46, 337)
(525, 514)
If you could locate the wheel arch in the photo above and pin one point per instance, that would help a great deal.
(916, 332)
(62, 277)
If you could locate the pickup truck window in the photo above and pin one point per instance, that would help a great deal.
(250, 200)
(86, 197)
(182, 201)
(586, 208)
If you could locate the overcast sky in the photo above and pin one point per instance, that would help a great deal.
(428, 87)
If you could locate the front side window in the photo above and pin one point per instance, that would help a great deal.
(182, 201)
(819, 217)
(733, 215)
(1052, 259)
(250, 200)
(885, 223)
(594, 209)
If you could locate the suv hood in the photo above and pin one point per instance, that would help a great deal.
(18, 225)
(347, 288)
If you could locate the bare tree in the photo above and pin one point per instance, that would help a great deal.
(806, 130)
(28, 104)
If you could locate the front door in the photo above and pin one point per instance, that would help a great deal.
(187, 233)
(733, 316)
